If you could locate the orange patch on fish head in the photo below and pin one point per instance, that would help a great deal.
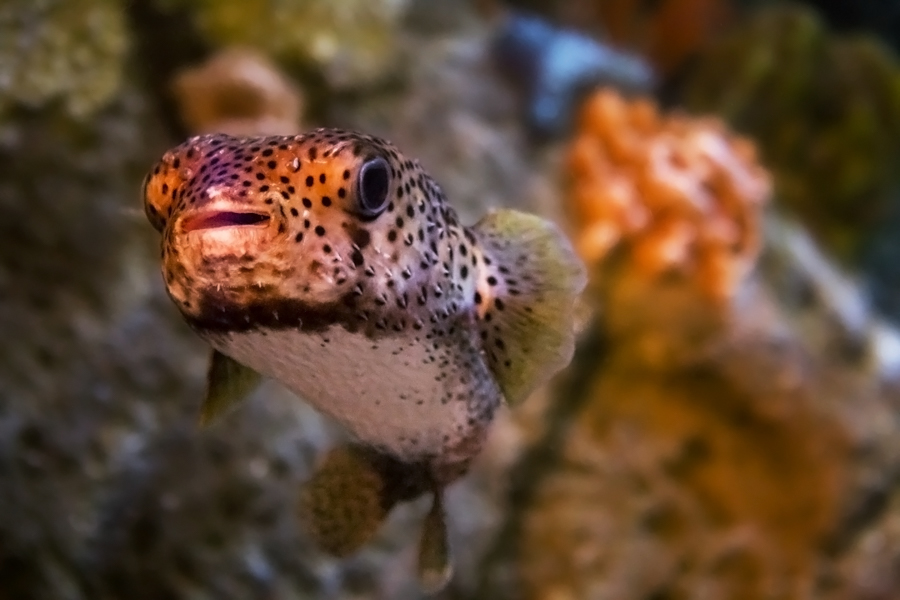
(283, 216)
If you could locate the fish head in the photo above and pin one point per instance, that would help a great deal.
(282, 229)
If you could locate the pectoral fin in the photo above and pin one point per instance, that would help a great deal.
(228, 383)
(526, 303)
(435, 565)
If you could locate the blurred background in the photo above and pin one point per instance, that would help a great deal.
(728, 169)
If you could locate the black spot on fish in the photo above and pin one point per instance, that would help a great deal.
(361, 237)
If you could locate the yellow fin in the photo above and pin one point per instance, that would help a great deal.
(435, 566)
(529, 286)
(227, 383)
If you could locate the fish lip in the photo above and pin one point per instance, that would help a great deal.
(222, 219)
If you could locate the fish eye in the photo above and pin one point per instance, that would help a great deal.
(372, 185)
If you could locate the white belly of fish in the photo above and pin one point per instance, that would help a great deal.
(388, 393)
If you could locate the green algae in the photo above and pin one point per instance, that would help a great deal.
(351, 43)
(71, 51)
(824, 109)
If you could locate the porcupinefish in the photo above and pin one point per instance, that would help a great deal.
(334, 264)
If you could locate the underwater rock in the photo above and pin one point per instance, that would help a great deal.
(825, 111)
(70, 51)
(687, 484)
(868, 569)
(556, 67)
(351, 44)
(211, 515)
(239, 92)
(71, 357)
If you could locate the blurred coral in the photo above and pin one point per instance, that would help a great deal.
(711, 454)
(238, 91)
(676, 194)
(68, 50)
(746, 474)
(826, 112)
(556, 67)
(687, 485)
(350, 43)
(665, 32)
(669, 34)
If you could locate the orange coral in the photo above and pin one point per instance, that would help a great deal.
(240, 92)
(681, 194)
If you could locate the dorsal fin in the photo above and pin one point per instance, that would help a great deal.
(526, 304)
(228, 383)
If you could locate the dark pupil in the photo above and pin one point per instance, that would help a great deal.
(373, 185)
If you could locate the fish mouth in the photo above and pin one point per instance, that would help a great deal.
(219, 219)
